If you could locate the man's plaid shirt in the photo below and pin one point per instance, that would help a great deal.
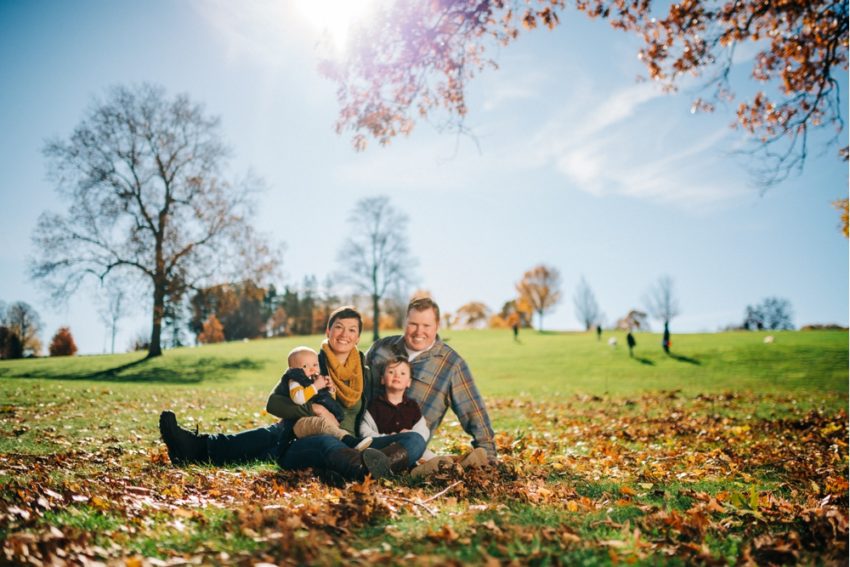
(441, 379)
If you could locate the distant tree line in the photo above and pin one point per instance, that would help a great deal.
(20, 326)
(538, 292)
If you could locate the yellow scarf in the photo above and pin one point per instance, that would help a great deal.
(347, 378)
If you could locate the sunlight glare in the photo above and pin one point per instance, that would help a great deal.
(335, 17)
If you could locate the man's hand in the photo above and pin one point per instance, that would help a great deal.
(325, 414)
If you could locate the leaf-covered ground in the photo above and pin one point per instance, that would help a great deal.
(664, 477)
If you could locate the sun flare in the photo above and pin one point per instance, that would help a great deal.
(335, 18)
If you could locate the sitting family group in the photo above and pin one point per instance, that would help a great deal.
(346, 414)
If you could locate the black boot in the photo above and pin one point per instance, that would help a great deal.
(184, 447)
(354, 465)
(398, 458)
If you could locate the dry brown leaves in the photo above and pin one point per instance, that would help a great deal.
(690, 470)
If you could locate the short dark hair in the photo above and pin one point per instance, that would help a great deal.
(346, 312)
(423, 304)
(395, 361)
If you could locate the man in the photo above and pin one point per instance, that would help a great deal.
(441, 378)
(339, 359)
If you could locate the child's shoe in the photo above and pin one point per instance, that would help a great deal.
(357, 444)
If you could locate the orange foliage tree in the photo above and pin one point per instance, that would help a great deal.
(423, 59)
(540, 289)
(62, 343)
(213, 331)
(472, 315)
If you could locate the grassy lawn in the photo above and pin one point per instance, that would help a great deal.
(731, 450)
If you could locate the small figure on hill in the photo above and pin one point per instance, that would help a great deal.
(598, 332)
(515, 327)
(630, 340)
(665, 340)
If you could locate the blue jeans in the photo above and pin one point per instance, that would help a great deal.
(260, 444)
(313, 452)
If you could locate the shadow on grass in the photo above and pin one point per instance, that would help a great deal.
(190, 371)
(645, 361)
(682, 358)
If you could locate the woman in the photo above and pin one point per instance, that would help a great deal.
(345, 365)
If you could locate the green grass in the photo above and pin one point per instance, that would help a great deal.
(595, 445)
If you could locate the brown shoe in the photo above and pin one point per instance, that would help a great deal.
(354, 465)
(429, 467)
(475, 458)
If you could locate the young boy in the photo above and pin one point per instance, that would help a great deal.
(307, 385)
(393, 412)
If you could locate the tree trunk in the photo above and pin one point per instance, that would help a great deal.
(114, 329)
(376, 315)
(540, 319)
(155, 348)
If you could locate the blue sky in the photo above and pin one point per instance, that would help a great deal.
(576, 165)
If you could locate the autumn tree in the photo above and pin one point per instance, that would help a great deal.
(634, 319)
(212, 331)
(62, 343)
(473, 314)
(376, 255)
(328, 300)
(587, 310)
(540, 287)
(24, 323)
(148, 201)
(420, 63)
(843, 206)
(238, 307)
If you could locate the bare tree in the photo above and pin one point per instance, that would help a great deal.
(376, 256)
(773, 313)
(662, 304)
(143, 176)
(112, 308)
(540, 288)
(587, 310)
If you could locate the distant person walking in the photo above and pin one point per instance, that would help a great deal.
(598, 332)
(630, 340)
(665, 340)
(515, 327)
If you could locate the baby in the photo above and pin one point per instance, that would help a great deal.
(307, 385)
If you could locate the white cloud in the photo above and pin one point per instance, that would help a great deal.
(623, 144)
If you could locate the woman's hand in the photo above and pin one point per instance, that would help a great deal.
(324, 413)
